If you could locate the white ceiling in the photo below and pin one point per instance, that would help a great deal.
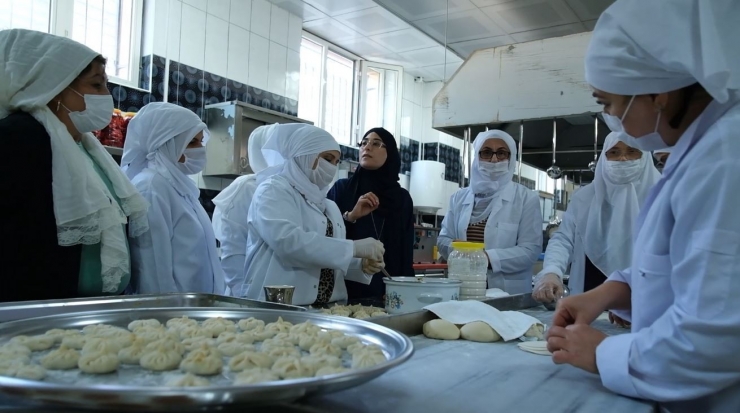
(412, 33)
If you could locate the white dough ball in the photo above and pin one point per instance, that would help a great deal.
(441, 330)
(63, 358)
(480, 332)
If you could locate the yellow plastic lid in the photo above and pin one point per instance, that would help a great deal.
(468, 246)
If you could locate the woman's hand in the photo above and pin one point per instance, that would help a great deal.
(365, 205)
(614, 319)
(372, 267)
(575, 345)
(547, 289)
(577, 309)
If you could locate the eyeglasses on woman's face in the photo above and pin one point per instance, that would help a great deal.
(487, 154)
(628, 154)
(372, 143)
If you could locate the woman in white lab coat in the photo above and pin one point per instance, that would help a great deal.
(296, 235)
(595, 237)
(502, 214)
(164, 144)
(230, 214)
(679, 89)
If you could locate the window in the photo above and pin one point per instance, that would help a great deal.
(110, 27)
(327, 88)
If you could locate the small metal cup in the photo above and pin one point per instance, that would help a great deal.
(281, 294)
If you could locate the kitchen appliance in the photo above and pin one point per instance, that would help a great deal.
(230, 124)
(425, 239)
(406, 294)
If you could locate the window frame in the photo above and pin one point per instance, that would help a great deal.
(326, 47)
(61, 22)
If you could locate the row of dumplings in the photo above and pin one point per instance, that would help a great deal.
(198, 349)
(357, 311)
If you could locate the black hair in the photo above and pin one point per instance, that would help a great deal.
(98, 59)
(687, 94)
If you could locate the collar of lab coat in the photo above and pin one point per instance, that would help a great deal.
(506, 194)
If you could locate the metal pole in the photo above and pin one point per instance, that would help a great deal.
(465, 144)
(467, 153)
(521, 146)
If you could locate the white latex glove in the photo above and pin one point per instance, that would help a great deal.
(371, 267)
(369, 248)
(548, 288)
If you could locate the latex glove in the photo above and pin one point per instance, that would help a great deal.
(369, 248)
(371, 267)
(548, 288)
(365, 205)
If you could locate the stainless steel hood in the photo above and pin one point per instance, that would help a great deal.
(527, 84)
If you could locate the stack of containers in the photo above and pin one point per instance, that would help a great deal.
(468, 263)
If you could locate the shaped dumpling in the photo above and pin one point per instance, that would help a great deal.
(13, 349)
(255, 376)
(58, 334)
(261, 335)
(316, 362)
(136, 324)
(272, 343)
(30, 372)
(325, 347)
(250, 360)
(131, 354)
(367, 358)
(306, 341)
(152, 334)
(8, 366)
(292, 368)
(345, 341)
(120, 338)
(161, 359)
(251, 323)
(95, 328)
(181, 323)
(63, 358)
(279, 326)
(167, 343)
(193, 343)
(361, 315)
(194, 331)
(188, 380)
(305, 328)
(98, 363)
(288, 338)
(233, 348)
(283, 352)
(202, 362)
(100, 345)
(329, 335)
(378, 314)
(218, 325)
(329, 370)
(76, 341)
(228, 337)
(340, 309)
(34, 343)
(354, 348)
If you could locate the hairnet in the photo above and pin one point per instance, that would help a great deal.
(656, 46)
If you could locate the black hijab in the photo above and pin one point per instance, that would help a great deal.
(383, 182)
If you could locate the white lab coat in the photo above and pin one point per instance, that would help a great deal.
(685, 340)
(513, 233)
(287, 245)
(173, 255)
(566, 245)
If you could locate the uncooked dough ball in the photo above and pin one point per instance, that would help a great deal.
(58, 334)
(131, 354)
(181, 323)
(135, 325)
(100, 345)
(441, 330)
(251, 323)
(364, 358)
(35, 343)
(63, 358)
(537, 330)
(14, 349)
(30, 372)
(204, 361)
(161, 359)
(75, 341)
(218, 325)
(480, 332)
(98, 363)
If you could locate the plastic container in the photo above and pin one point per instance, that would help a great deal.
(468, 263)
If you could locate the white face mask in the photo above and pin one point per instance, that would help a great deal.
(324, 173)
(195, 161)
(97, 114)
(624, 172)
(493, 170)
(650, 142)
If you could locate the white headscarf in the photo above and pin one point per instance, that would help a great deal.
(608, 221)
(665, 150)
(34, 68)
(225, 199)
(483, 186)
(293, 148)
(656, 46)
(156, 138)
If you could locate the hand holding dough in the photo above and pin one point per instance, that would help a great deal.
(480, 332)
(535, 347)
(441, 330)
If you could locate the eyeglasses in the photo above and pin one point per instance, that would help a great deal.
(376, 144)
(487, 154)
(630, 154)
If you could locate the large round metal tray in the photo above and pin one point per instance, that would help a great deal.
(397, 348)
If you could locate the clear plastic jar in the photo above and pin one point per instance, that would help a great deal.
(468, 263)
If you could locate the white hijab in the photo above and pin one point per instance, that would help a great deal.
(608, 221)
(629, 53)
(257, 162)
(34, 68)
(293, 148)
(483, 187)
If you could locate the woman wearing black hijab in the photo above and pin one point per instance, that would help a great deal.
(374, 205)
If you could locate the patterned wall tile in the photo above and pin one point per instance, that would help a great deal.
(159, 78)
(349, 153)
(409, 153)
(145, 72)
(451, 158)
(430, 152)
(291, 107)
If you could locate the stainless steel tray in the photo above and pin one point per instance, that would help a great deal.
(28, 309)
(397, 347)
